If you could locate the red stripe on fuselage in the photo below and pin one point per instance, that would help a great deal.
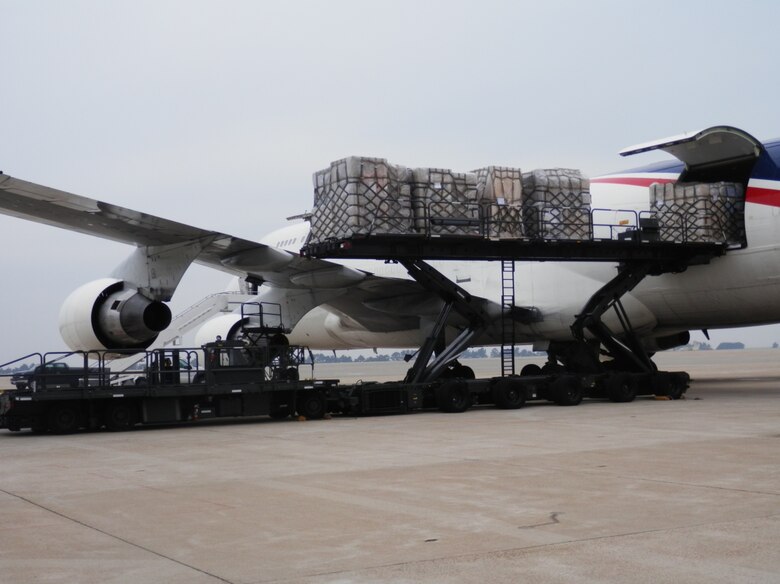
(759, 196)
(631, 181)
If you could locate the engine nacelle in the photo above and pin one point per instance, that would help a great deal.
(107, 314)
(667, 342)
(226, 326)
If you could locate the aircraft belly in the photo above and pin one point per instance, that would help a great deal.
(737, 290)
(560, 290)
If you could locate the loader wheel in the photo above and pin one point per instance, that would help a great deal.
(280, 411)
(453, 397)
(120, 416)
(621, 387)
(312, 405)
(566, 390)
(679, 383)
(508, 394)
(63, 419)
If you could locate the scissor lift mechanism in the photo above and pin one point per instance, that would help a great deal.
(636, 259)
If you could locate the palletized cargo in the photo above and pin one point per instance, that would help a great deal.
(557, 187)
(445, 202)
(501, 184)
(360, 195)
(700, 212)
(556, 204)
(504, 221)
(546, 222)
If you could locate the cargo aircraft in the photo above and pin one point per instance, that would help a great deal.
(368, 304)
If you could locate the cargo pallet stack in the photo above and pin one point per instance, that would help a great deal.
(699, 212)
(369, 196)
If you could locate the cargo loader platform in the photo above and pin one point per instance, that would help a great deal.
(465, 248)
(575, 369)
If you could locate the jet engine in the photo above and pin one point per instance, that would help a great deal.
(667, 342)
(226, 326)
(109, 314)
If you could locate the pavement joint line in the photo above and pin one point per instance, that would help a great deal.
(116, 537)
(520, 549)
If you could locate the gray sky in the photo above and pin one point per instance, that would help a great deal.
(217, 113)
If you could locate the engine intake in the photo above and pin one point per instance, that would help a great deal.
(107, 314)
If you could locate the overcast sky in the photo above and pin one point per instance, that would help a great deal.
(217, 113)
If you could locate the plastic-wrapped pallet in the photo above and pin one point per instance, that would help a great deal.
(503, 221)
(445, 202)
(501, 184)
(500, 194)
(700, 212)
(556, 204)
(543, 221)
(557, 187)
(359, 195)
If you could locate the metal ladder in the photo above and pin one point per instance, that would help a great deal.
(507, 321)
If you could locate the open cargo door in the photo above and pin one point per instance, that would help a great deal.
(720, 153)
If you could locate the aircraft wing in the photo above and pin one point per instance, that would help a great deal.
(234, 255)
(26, 200)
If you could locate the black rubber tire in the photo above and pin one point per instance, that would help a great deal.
(140, 381)
(280, 411)
(38, 424)
(621, 387)
(679, 384)
(464, 372)
(120, 416)
(532, 369)
(566, 390)
(312, 405)
(63, 419)
(291, 374)
(453, 397)
(508, 394)
(662, 384)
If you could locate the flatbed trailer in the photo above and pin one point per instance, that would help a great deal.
(237, 392)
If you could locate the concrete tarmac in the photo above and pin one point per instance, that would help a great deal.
(649, 491)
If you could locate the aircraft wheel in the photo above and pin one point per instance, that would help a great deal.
(312, 405)
(621, 387)
(453, 397)
(120, 416)
(530, 369)
(508, 394)
(63, 419)
(567, 390)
